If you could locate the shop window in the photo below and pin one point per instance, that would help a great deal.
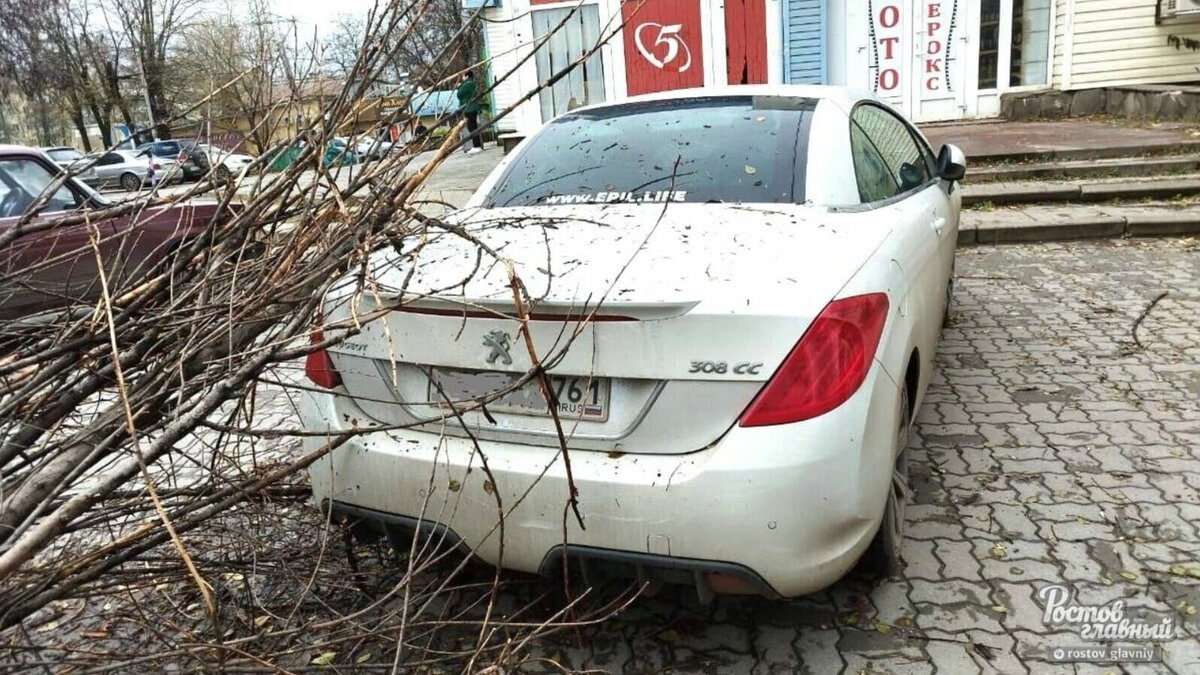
(1028, 48)
(1030, 42)
(989, 43)
(584, 84)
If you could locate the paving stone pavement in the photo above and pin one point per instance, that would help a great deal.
(1050, 449)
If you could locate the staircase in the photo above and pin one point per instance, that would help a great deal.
(1104, 187)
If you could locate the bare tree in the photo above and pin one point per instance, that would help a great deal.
(421, 56)
(163, 368)
(244, 45)
(152, 28)
(86, 61)
(31, 65)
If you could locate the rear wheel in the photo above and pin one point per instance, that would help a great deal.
(223, 172)
(130, 182)
(884, 557)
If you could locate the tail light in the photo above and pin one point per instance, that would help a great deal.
(181, 157)
(318, 366)
(826, 366)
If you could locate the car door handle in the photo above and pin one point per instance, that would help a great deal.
(939, 225)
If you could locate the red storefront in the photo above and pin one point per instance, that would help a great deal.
(646, 46)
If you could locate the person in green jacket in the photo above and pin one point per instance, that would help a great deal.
(469, 107)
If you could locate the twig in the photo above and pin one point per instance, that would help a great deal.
(1141, 317)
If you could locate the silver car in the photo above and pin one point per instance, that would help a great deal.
(125, 169)
(72, 160)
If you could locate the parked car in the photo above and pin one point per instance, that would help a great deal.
(339, 153)
(227, 163)
(49, 270)
(63, 156)
(368, 148)
(129, 170)
(769, 268)
(190, 159)
(71, 159)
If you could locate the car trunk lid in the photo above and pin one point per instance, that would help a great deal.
(657, 325)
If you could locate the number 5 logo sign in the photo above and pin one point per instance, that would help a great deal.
(666, 35)
(663, 45)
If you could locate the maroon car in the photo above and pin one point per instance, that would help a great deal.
(53, 268)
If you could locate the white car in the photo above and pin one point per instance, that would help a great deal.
(769, 269)
(226, 163)
(368, 147)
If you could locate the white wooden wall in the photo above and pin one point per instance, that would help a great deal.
(1115, 42)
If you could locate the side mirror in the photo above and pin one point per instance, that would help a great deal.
(951, 163)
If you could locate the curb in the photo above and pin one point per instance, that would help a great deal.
(1142, 167)
(1041, 193)
(1129, 151)
(1105, 227)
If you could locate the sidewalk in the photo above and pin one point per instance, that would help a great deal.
(1063, 139)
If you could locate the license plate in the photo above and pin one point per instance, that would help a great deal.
(578, 397)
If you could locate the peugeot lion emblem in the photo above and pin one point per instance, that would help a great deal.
(500, 343)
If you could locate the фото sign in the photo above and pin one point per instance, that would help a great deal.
(887, 33)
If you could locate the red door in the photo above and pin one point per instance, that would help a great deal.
(746, 41)
(663, 48)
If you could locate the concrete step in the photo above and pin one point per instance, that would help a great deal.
(1096, 168)
(1061, 223)
(1083, 191)
(1063, 141)
(1104, 152)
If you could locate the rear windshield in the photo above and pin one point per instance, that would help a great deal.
(170, 148)
(64, 154)
(749, 149)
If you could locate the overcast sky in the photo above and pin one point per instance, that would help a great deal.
(318, 13)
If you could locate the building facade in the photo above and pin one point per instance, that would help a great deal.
(934, 60)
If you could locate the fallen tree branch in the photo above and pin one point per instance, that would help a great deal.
(1142, 317)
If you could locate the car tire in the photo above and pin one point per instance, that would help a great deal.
(130, 182)
(884, 557)
(223, 172)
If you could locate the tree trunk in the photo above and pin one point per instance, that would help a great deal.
(81, 127)
(113, 90)
(103, 121)
(43, 118)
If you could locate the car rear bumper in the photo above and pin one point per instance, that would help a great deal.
(783, 510)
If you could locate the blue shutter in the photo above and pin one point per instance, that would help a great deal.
(804, 33)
